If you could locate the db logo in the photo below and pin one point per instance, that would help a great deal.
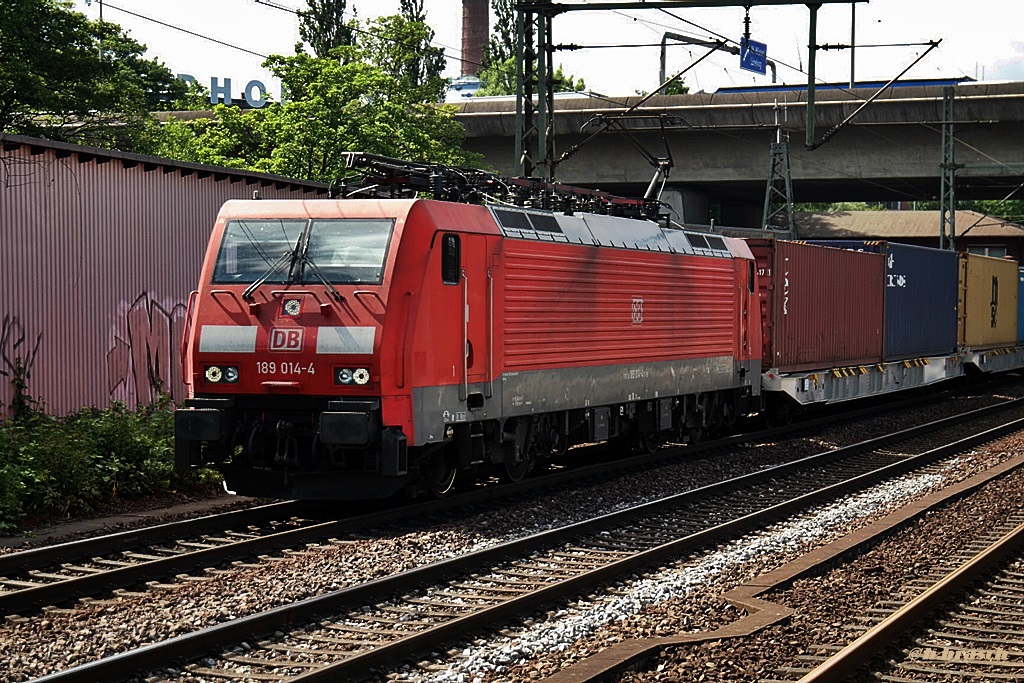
(289, 339)
(638, 310)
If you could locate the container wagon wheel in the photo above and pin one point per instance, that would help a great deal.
(777, 412)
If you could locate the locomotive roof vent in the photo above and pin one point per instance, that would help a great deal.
(698, 243)
(537, 225)
(604, 230)
(521, 220)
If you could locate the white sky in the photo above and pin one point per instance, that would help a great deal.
(979, 39)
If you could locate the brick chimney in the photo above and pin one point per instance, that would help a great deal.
(476, 27)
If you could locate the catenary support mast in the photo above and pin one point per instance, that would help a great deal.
(535, 141)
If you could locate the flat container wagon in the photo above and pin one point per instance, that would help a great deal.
(1020, 302)
(989, 300)
(920, 286)
(821, 307)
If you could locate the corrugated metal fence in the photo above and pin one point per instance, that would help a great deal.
(98, 253)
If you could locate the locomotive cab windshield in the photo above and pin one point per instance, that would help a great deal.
(321, 250)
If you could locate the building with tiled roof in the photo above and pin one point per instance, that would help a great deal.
(975, 231)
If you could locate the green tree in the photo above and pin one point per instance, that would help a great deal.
(335, 105)
(1006, 209)
(67, 78)
(833, 207)
(676, 87)
(412, 10)
(323, 26)
(499, 78)
(401, 46)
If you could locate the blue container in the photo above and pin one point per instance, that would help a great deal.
(1020, 309)
(921, 291)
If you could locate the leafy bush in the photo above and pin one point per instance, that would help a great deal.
(69, 466)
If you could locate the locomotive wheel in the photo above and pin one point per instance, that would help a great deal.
(516, 468)
(254, 444)
(695, 434)
(729, 414)
(650, 442)
(442, 477)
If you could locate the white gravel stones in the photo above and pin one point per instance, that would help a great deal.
(562, 630)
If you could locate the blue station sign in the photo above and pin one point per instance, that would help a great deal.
(753, 56)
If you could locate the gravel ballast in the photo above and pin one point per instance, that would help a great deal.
(40, 645)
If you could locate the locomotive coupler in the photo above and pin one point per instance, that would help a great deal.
(287, 449)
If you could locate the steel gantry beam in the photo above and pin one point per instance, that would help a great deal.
(535, 142)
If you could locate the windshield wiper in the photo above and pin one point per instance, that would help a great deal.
(305, 260)
(288, 257)
(323, 280)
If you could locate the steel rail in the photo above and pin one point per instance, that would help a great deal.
(197, 644)
(880, 637)
(85, 550)
(72, 588)
(43, 556)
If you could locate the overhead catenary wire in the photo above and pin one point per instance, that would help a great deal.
(931, 45)
(446, 49)
(448, 54)
(184, 30)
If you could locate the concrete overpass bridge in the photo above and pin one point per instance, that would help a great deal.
(720, 143)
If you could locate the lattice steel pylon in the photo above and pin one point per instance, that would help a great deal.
(535, 141)
(947, 197)
(778, 195)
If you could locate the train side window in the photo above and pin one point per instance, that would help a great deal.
(451, 259)
(750, 277)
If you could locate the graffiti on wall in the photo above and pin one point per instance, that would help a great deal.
(17, 345)
(144, 358)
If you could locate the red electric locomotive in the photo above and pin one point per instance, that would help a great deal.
(352, 348)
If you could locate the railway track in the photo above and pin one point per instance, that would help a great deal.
(57, 574)
(350, 632)
(111, 565)
(963, 622)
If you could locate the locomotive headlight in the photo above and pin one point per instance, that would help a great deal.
(358, 376)
(231, 374)
(214, 374)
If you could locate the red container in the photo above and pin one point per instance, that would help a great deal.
(821, 307)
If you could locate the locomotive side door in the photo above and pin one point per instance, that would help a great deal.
(477, 319)
(465, 263)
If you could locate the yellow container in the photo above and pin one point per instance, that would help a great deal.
(988, 302)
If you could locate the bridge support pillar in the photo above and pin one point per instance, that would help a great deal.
(687, 206)
(742, 215)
